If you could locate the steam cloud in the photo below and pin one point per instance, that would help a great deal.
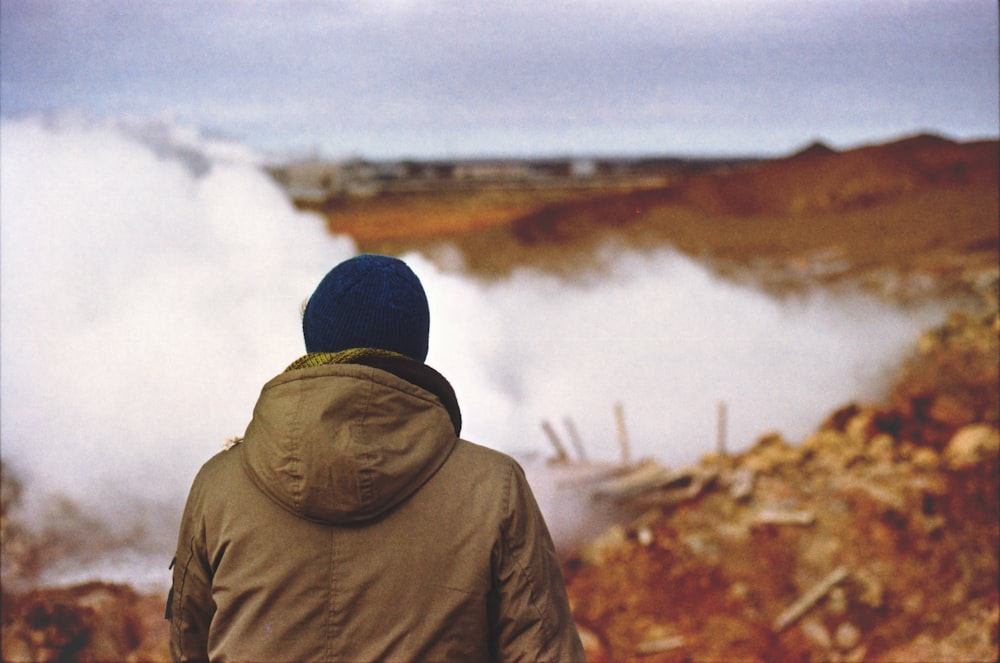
(150, 285)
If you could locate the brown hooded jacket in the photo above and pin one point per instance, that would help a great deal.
(352, 524)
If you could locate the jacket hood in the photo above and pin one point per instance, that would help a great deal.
(343, 443)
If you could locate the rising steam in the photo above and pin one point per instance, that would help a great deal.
(150, 285)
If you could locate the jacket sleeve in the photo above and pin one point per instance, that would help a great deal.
(532, 617)
(191, 606)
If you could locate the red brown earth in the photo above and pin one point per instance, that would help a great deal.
(894, 503)
(898, 500)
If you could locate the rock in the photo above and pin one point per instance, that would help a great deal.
(847, 636)
(591, 643)
(741, 483)
(836, 602)
(872, 588)
(817, 633)
(881, 448)
(603, 547)
(858, 428)
(926, 459)
(971, 445)
(950, 411)
(770, 453)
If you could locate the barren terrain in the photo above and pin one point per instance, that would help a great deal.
(917, 210)
(875, 539)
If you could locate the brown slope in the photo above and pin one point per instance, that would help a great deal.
(818, 179)
(921, 205)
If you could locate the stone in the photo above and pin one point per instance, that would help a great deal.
(836, 602)
(604, 546)
(926, 459)
(847, 636)
(971, 445)
(950, 411)
(881, 448)
(817, 633)
(591, 643)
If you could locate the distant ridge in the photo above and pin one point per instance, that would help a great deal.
(819, 178)
(815, 149)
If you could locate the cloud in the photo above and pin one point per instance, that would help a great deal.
(444, 78)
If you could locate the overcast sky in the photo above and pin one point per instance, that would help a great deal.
(433, 78)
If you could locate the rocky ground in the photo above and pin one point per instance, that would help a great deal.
(874, 539)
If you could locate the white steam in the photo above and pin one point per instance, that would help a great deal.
(669, 341)
(151, 282)
(149, 288)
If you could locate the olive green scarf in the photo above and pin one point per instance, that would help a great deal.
(350, 356)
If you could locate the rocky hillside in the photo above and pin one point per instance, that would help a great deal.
(875, 539)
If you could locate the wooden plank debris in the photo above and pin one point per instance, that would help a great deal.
(686, 486)
(654, 485)
(741, 483)
(660, 645)
(784, 517)
(806, 601)
(645, 477)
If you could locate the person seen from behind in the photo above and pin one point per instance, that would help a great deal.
(352, 523)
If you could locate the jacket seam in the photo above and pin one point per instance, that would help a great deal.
(366, 479)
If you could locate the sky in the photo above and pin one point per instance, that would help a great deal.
(387, 79)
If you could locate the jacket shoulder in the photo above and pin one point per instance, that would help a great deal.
(219, 468)
(466, 450)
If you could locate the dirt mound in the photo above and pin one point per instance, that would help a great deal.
(865, 542)
(92, 622)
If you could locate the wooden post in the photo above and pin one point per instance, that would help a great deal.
(561, 455)
(622, 434)
(575, 440)
(720, 436)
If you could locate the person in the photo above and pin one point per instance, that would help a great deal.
(352, 523)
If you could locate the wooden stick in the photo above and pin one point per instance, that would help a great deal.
(622, 434)
(781, 517)
(574, 438)
(720, 437)
(659, 646)
(807, 600)
(643, 478)
(561, 455)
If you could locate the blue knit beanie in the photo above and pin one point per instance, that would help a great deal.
(368, 301)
